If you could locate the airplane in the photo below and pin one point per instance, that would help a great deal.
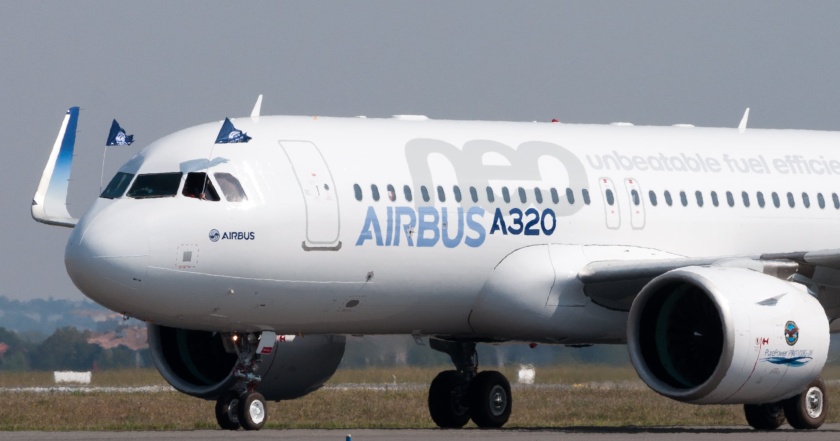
(253, 246)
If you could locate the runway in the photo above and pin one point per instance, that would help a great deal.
(827, 432)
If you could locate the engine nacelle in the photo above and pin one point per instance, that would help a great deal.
(716, 335)
(196, 363)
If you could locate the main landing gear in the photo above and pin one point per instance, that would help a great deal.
(457, 396)
(806, 410)
(242, 406)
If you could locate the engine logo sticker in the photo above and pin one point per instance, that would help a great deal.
(791, 333)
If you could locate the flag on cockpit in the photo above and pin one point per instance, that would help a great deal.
(230, 134)
(117, 135)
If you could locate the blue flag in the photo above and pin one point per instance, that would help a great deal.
(117, 135)
(230, 134)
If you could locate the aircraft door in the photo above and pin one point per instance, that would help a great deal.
(613, 217)
(637, 203)
(319, 195)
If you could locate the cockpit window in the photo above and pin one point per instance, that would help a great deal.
(155, 185)
(198, 186)
(231, 187)
(117, 186)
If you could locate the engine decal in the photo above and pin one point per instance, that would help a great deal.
(792, 361)
(791, 333)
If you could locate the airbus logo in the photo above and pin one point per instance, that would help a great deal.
(216, 236)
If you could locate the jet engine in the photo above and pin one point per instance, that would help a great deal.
(197, 363)
(718, 335)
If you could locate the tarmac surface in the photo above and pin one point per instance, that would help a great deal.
(827, 432)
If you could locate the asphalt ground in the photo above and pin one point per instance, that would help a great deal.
(827, 432)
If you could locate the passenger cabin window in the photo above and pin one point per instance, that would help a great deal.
(474, 194)
(506, 195)
(820, 200)
(730, 199)
(392, 193)
(407, 192)
(155, 185)
(231, 187)
(586, 199)
(538, 195)
(699, 196)
(374, 191)
(806, 200)
(760, 197)
(357, 191)
(652, 197)
(683, 199)
(668, 199)
(715, 201)
(570, 196)
(198, 186)
(836, 200)
(425, 193)
(522, 196)
(490, 195)
(791, 202)
(636, 199)
(746, 197)
(610, 197)
(117, 186)
(457, 191)
(441, 195)
(554, 196)
(776, 202)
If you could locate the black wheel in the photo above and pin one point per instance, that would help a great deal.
(251, 413)
(808, 409)
(227, 410)
(764, 416)
(490, 399)
(447, 400)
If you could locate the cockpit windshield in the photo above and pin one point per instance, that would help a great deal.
(231, 187)
(117, 186)
(198, 186)
(155, 185)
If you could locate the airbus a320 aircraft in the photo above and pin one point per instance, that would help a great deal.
(252, 247)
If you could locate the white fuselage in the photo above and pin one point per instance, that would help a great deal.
(304, 255)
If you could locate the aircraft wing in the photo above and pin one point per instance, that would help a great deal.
(615, 283)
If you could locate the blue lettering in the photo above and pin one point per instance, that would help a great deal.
(430, 226)
(447, 241)
(475, 226)
(498, 222)
(408, 229)
(371, 222)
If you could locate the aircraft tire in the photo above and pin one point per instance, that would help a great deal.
(809, 409)
(447, 408)
(227, 410)
(490, 400)
(767, 416)
(252, 414)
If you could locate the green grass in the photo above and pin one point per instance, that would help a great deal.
(586, 402)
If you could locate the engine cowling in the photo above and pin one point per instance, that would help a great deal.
(196, 363)
(718, 335)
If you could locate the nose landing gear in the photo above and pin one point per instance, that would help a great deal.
(242, 406)
(456, 396)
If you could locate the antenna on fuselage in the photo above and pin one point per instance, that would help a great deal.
(742, 127)
(257, 106)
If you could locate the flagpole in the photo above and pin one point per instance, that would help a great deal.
(102, 172)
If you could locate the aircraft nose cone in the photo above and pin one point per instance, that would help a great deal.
(107, 256)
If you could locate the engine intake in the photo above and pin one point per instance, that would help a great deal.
(726, 335)
(196, 363)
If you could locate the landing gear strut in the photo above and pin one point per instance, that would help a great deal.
(242, 406)
(459, 395)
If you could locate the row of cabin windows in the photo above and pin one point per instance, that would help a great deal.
(746, 200)
(490, 194)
